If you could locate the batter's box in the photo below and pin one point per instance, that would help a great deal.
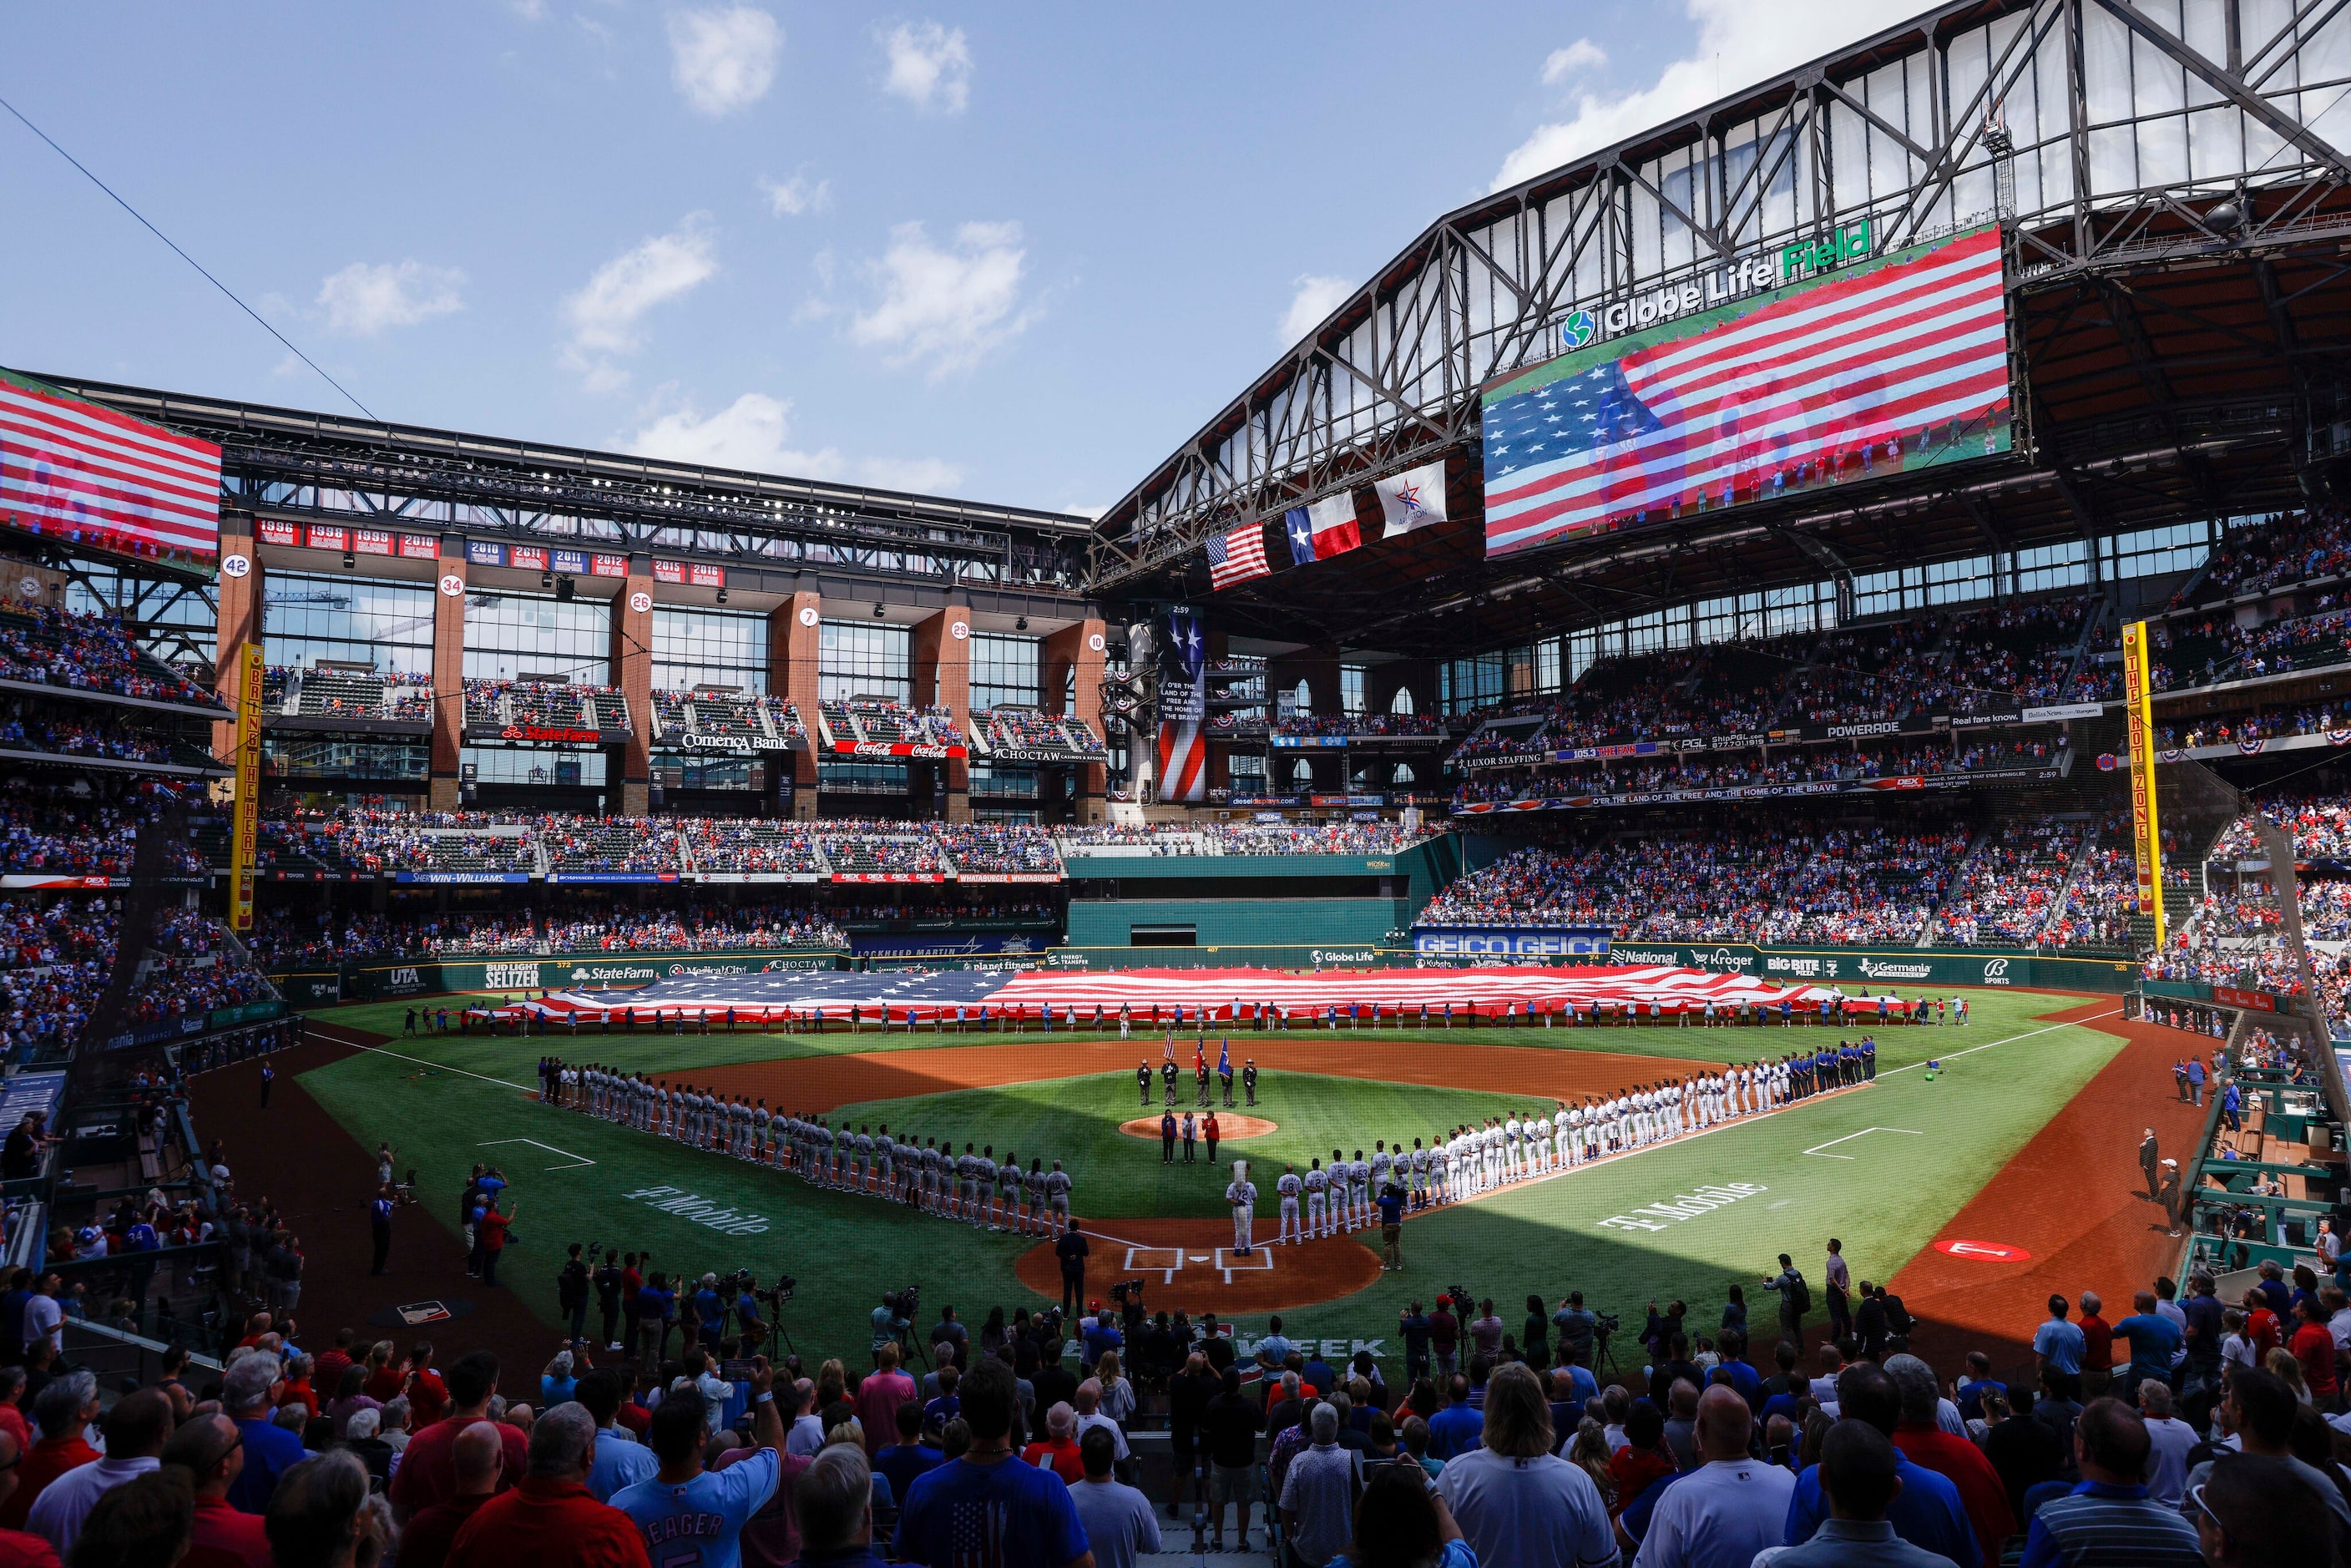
(1257, 1259)
(1163, 1261)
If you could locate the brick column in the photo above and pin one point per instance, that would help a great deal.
(632, 673)
(1220, 750)
(238, 624)
(791, 674)
(940, 658)
(448, 675)
(1078, 648)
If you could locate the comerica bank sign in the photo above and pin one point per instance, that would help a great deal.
(1754, 274)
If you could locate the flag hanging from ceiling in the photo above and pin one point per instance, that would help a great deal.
(1183, 710)
(1412, 499)
(1324, 530)
(1237, 555)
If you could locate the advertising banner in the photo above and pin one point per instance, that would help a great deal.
(2138, 720)
(1811, 788)
(1519, 941)
(557, 971)
(245, 830)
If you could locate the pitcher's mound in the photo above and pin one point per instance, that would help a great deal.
(1231, 1128)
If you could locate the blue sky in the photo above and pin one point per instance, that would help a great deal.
(1014, 252)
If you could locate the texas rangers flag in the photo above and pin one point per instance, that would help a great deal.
(1413, 499)
(1324, 530)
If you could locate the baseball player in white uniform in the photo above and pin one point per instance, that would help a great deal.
(1241, 1193)
(1317, 1182)
(1288, 1187)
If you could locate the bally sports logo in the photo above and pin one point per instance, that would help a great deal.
(1995, 972)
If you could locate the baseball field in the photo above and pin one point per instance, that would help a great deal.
(2003, 1148)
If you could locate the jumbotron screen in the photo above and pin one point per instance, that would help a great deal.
(101, 481)
(1879, 367)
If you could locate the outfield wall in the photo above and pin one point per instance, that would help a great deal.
(1229, 923)
(532, 972)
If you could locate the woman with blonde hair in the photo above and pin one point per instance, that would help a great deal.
(1117, 1393)
(1588, 1451)
(850, 1434)
(2279, 1363)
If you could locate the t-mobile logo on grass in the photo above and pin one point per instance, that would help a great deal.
(1682, 1206)
(701, 1210)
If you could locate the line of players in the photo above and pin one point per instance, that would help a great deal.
(972, 1187)
(1323, 1201)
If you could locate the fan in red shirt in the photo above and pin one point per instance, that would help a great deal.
(1059, 1450)
(19, 1549)
(2097, 1347)
(2313, 1347)
(1981, 1491)
(428, 1396)
(387, 1374)
(334, 1363)
(2261, 1330)
(428, 1469)
(548, 1519)
(63, 1407)
(208, 1448)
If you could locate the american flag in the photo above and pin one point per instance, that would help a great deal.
(1236, 557)
(72, 471)
(1835, 382)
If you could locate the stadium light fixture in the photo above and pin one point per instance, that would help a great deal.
(1021, 624)
(349, 561)
(721, 596)
(546, 579)
(878, 610)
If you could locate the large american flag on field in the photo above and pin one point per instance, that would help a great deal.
(89, 477)
(1905, 363)
(1236, 557)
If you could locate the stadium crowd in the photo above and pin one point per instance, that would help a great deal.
(48, 646)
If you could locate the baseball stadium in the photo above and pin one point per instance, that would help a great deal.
(1748, 735)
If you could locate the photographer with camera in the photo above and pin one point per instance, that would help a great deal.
(890, 1324)
(571, 1292)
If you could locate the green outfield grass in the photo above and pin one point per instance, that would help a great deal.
(1915, 1152)
(1076, 1120)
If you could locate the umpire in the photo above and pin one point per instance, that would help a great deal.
(1072, 1250)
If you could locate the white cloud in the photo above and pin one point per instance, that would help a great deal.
(365, 299)
(930, 66)
(795, 198)
(1316, 297)
(1738, 44)
(752, 433)
(603, 316)
(1583, 54)
(528, 10)
(723, 60)
(946, 308)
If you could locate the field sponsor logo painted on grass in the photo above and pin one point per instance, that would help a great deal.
(1682, 1206)
(700, 1210)
(1984, 1251)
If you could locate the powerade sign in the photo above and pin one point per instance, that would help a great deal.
(1523, 942)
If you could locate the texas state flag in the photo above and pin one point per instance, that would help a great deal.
(1324, 530)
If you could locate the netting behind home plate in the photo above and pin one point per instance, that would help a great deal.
(2238, 918)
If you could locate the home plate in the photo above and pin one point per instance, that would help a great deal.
(1199, 1257)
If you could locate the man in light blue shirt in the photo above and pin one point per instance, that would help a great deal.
(621, 1461)
(2061, 1345)
(691, 1516)
(1274, 1349)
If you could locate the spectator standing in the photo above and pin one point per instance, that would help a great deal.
(1229, 1426)
(1517, 1502)
(1456, 1429)
(684, 1501)
(2060, 1345)
(1859, 1473)
(61, 1410)
(1924, 1509)
(1034, 1524)
(1118, 1520)
(2170, 1441)
(428, 1470)
(547, 1520)
(2109, 1517)
(480, 1459)
(1924, 1443)
(323, 1514)
(135, 1431)
(833, 1499)
(210, 1450)
(879, 1397)
(2097, 1347)
(1727, 1508)
(621, 1459)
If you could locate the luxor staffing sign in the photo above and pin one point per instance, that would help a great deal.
(2147, 841)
